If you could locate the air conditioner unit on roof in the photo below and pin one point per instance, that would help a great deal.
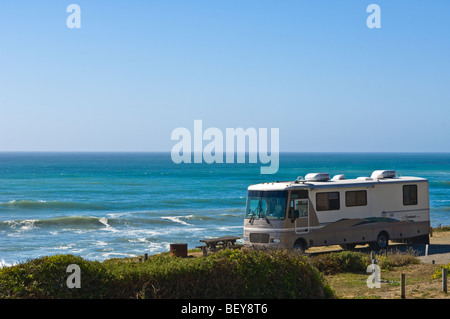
(338, 177)
(383, 174)
(364, 178)
(317, 177)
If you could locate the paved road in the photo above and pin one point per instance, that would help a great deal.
(437, 253)
(438, 249)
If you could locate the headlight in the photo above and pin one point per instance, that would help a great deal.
(275, 240)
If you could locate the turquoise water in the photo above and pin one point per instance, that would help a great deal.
(104, 205)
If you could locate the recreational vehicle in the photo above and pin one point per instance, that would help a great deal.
(319, 211)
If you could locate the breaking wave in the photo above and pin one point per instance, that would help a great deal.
(54, 205)
(72, 222)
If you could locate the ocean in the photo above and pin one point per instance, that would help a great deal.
(105, 205)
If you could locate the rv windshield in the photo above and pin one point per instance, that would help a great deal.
(266, 204)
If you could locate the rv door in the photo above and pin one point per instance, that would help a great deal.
(301, 210)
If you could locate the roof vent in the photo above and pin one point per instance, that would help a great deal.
(364, 178)
(338, 177)
(383, 174)
(317, 177)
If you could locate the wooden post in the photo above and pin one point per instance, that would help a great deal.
(444, 279)
(403, 284)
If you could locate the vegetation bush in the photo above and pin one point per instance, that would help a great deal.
(344, 261)
(227, 274)
(46, 278)
(356, 262)
(438, 272)
(441, 228)
(395, 258)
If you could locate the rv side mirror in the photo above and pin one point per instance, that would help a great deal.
(294, 214)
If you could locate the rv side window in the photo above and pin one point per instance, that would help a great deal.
(327, 201)
(409, 195)
(355, 198)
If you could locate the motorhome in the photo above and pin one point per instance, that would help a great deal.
(319, 211)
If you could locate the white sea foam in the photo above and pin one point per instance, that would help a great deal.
(121, 255)
(177, 219)
(3, 263)
(158, 247)
(104, 221)
(118, 215)
(21, 225)
(132, 234)
(77, 251)
(227, 228)
(138, 240)
(62, 247)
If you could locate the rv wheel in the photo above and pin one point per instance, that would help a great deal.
(300, 246)
(382, 241)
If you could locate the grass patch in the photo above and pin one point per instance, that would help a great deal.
(351, 282)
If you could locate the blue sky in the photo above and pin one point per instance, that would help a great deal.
(136, 70)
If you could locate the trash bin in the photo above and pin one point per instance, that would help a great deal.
(178, 250)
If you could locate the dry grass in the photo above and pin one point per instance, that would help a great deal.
(419, 284)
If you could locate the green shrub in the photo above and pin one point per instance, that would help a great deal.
(344, 261)
(276, 274)
(46, 278)
(441, 228)
(396, 258)
(352, 261)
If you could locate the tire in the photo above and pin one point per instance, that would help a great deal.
(382, 241)
(300, 246)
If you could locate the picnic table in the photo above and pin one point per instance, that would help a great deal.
(215, 244)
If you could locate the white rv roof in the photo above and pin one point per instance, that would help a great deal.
(333, 183)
